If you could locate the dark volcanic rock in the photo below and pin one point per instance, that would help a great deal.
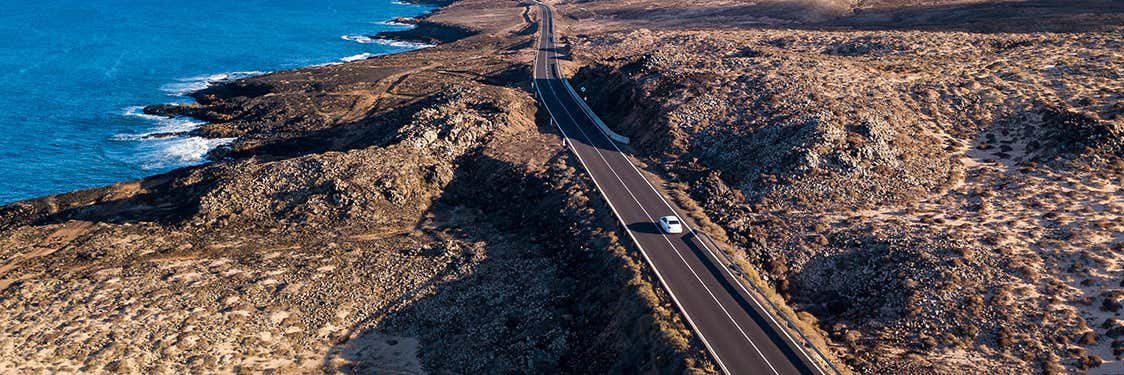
(429, 32)
(925, 198)
(345, 230)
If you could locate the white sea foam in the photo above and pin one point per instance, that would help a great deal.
(163, 125)
(388, 42)
(184, 86)
(403, 44)
(222, 77)
(166, 144)
(361, 56)
(358, 38)
(178, 151)
(395, 23)
(172, 148)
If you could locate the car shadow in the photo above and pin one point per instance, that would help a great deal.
(645, 227)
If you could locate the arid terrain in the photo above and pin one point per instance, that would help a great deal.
(939, 201)
(403, 214)
(935, 187)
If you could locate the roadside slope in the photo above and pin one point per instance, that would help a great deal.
(371, 216)
(938, 201)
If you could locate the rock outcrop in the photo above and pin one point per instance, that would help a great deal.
(938, 201)
(401, 214)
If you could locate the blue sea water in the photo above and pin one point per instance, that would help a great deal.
(75, 73)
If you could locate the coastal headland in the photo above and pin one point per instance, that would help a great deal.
(927, 187)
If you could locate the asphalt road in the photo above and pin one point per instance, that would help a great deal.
(732, 325)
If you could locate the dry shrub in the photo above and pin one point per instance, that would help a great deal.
(1088, 338)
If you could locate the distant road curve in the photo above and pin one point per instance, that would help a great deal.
(734, 327)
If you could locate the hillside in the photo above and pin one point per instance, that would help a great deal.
(933, 186)
(939, 201)
(371, 217)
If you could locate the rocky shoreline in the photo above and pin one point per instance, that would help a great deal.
(415, 212)
(370, 216)
(421, 32)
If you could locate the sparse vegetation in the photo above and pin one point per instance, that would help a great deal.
(923, 187)
(377, 216)
(894, 182)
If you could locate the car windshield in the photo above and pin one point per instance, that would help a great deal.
(672, 221)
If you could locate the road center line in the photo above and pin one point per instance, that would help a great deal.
(589, 141)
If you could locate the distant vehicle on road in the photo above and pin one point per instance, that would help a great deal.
(671, 224)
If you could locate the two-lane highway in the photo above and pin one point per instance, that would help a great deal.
(741, 337)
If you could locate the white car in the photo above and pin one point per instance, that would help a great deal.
(671, 224)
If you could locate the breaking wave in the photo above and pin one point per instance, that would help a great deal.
(178, 151)
(361, 56)
(167, 143)
(184, 86)
(387, 42)
(163, 126)
(395, 23)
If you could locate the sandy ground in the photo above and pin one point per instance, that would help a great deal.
(967, 184)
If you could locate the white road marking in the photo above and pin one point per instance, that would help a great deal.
(665, 237)
(621, 219)
(715, 257)
(646, 213)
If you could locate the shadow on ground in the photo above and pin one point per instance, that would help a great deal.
(984, 17)
(539, 292)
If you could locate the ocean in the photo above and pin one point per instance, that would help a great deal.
(75, 75)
